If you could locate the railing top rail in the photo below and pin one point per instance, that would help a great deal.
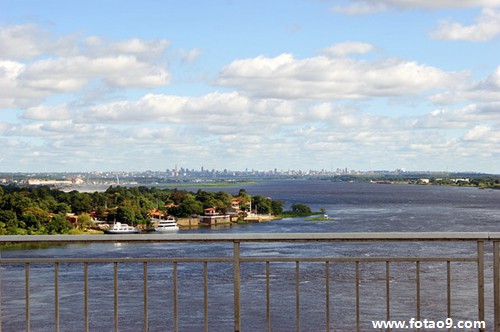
(258, 237)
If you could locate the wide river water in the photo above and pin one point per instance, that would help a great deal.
(354, 207)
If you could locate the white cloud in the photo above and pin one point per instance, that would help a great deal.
(482, 133)
(463, 117)
(21, 41)
(212, 111)
(29, 41)
(150, 50)
(189, 56)
(48, 113)
(36, 65)
(329, 78)
(230, 125)
(71, 74)
(283, 109)
(148, 108)
(13, 93)
(348, 48)
(486, 27)
(486, 90)
(358, 7)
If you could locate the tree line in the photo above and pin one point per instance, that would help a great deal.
(44, 210)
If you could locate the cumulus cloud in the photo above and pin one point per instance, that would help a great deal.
(228, 109)
(143, 50)
(486, 27)
(482, 133)
(282, 108)
(485, 90)
(333, 78)
(189, 56)
(358, 7)
(230, 123)
(34, 65)
(47, 113)
(22, 41)
(71, 74)
(348, 48)
(461, 117)
(13, 92)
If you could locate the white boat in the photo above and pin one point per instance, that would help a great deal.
(165, 225)
(119, 228)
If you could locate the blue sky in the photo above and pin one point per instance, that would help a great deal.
(306, 84)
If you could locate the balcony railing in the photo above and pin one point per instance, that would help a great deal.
(327, 276)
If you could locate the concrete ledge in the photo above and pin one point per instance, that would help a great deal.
(258, 237)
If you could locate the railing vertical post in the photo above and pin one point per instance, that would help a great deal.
(268, 297)
(448, 288)
(418, 289)
(387, 291)
(236, 253)
(115, 294)
(327, 291)
(27, 291)
(56, 294)
(86, 295)
(176, 300)
(145, 293)
(480, 280)
(357, 298)
(297, 295)
(0, 294)
(496, 283)
(205, 294)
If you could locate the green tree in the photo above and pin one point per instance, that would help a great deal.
(62, 208)
(145, 207)
(8, 222)
(17, 202)
(244, 199)
(262, 204)
(125, 214)
(58, 224)
(277, 207)
(32, 224)
(178, 196)
(190, 206)
(84, 221)
(81, 202)
(301, 209)
(224, 197)
(205, 197)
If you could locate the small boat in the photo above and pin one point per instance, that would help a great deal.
(119, 228)
(165, 225)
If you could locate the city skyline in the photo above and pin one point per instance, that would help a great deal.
(388, 84)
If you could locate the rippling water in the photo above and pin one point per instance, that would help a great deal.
(355, 207)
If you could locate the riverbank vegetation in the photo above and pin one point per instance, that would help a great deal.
(301, 210)
(459, 179)
(42, 210)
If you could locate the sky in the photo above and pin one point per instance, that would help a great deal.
(131, 85)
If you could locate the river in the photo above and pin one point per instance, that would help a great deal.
(354, 207)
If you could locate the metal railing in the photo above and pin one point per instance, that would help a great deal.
(486, 311)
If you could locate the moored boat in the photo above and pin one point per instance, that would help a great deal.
(119, 228)
(165, 225)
